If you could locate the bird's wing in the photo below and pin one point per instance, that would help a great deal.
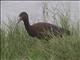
(42, 29)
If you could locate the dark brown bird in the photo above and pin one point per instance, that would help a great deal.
(41, 29)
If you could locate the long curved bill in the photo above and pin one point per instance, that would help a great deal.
(19, 20)
(16, 23)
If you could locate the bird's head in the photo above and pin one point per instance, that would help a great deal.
(23, 16)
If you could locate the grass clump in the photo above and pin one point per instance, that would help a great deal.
(18, 45)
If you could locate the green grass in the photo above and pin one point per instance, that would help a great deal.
(16, 44)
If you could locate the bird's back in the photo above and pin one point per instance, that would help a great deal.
(46, 29)
(42, 26)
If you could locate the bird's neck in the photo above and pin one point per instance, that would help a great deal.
(27, 25)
